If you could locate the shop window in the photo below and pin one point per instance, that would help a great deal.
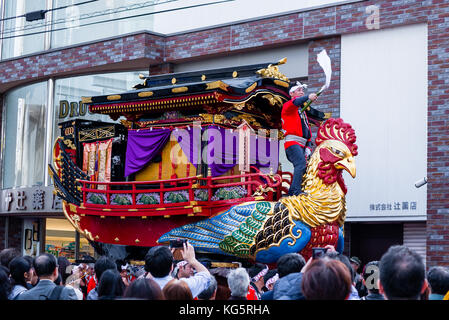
(68, 93)
(25, 132)
(60, 240)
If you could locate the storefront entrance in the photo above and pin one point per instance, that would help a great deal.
(369, 241)
(61, 240)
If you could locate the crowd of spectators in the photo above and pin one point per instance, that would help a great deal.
(399, 275)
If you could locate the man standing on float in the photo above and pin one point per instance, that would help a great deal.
(298, 135)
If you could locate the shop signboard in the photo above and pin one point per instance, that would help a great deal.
(35, 200)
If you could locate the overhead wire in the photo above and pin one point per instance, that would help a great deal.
(115, 19)
(88, 15)
(52, 9)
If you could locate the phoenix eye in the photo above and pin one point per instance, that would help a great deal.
(337, 152)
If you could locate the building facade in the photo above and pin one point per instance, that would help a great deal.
(389, 60)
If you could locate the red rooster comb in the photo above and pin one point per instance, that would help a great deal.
(337, 129)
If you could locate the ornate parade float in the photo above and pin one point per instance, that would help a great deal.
(196, 156)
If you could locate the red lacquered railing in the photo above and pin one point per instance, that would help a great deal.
(254, 183)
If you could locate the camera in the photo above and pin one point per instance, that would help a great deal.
(420, 183)
(318, 252)
(177, 243)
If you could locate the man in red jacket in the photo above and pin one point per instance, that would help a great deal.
(298, 136)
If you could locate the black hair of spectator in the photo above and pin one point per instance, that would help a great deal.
(119, 264)
(30, 259)
(6, 256)
(402, 273)
(102, 264)
(159, 261)
(144, 289)
(369, 270)
(342, 258)
(63, 263)
(5, 284)
(255, 269)
(45, 264)
(111, 285)
(17, 267)
(290, 263)
(270, 274)
(438, 278)
(208, 293)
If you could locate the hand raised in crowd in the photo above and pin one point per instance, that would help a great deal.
(188, 254)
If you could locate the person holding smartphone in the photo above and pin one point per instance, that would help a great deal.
(159, 265)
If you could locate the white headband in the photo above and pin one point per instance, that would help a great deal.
(124, 267)
(298, 85)
(273, 279)
(260, 274)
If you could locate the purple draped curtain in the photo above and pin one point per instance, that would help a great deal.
(264, 153)
(221, 154)
(223, 151)
(189, 140)
(143, 146)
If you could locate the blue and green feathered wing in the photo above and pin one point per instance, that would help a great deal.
(261, 231)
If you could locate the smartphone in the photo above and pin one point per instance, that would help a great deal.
(177, 243)
(318, 252)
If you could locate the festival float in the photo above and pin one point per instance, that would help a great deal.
(196, 156)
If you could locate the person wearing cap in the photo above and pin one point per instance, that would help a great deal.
(298, 136)
(358, 279)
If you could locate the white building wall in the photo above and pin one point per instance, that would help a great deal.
(384, 98)
(225, 12)
(296, 66)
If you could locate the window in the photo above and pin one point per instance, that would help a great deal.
(15, 39)
(25, 132)
(68, 93)
(83, 23)
(60, 240)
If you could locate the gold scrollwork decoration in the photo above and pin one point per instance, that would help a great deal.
(126, 123)
(69, 144)
(88, 235)
(261, 190)
(273, 99)
(217, 85)
(251, 87)
(213, 118)
(272, 71)
(239, 105)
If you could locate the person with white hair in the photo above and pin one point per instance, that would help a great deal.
(238, 282)
(298, 136)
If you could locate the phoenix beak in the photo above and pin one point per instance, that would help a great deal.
(347, 164)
